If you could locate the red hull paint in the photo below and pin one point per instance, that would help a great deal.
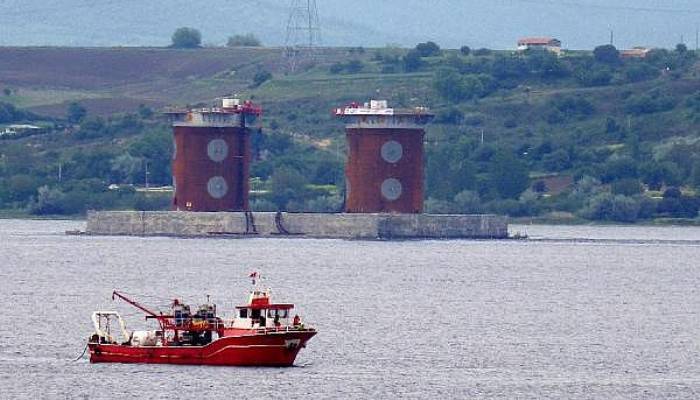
(270, 349)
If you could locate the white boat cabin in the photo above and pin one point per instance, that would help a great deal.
(261, 313)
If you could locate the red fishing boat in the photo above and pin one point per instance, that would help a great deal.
(260, 334)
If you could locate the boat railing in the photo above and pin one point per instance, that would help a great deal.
(288, 328)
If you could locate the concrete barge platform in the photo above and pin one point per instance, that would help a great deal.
(283, 224)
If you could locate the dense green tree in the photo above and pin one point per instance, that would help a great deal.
(465, 50)
(186, 38)
(48, 201)
(626, 187)
(508, 175)
(247, 40)
(482, 52)
(288, 185)
(610, 207)
(450, 115)
(428, 49)
(448, 84)
(656, 174)
(468, 202)
(127, 168)
(20, 187)
(412, 61)
(640, 71)
(597, 75)
(144, 111)
(649, 103)
(558, 160)
(76, 112)
(618, 168)
(155, 148)
(607, 54)
(675, 204)
(546, 65)
(695, 174)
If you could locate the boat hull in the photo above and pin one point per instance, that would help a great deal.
(274, 349)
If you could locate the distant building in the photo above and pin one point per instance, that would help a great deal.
(635, 52)
(540, 43)
(19, 130)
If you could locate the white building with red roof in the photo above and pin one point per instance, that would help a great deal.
(540, 43)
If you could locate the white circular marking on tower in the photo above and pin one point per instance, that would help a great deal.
(217, 187)
(392, 151)
(391, 189)
(217, 150)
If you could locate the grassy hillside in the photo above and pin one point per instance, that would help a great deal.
(581, 136)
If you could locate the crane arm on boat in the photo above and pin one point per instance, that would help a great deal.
(133, 303)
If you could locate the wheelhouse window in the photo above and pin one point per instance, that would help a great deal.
(243, 313)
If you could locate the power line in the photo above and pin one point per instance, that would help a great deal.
(303, 32)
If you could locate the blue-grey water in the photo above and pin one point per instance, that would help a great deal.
(579, 312)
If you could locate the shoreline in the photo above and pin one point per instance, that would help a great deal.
(522, 221)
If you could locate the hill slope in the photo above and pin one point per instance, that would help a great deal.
(517, 134)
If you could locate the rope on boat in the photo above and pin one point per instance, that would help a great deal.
(83, 353)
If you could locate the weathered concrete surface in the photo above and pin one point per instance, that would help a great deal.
(349, 226)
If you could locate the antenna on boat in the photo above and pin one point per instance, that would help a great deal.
(254, 276)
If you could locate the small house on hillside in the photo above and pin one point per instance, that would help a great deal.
(18, 130)
(635, 52)
(540, 43)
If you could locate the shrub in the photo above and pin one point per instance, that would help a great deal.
(649, 103)
(594, 76)
(609, 207)
(465, 50)
(435, 206)
(350, 67)
(450, 115)
(626, 187)
(261, 77)
(637, 72)
(482, 52)
(467, 202)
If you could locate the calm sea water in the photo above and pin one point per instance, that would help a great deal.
(590, 312)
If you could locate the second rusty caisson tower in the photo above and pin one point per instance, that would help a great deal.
(211, 156)
(384, 171)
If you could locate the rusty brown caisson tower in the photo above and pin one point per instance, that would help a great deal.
(384, 171)
(211, 156)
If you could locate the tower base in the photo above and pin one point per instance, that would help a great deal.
(311, 225)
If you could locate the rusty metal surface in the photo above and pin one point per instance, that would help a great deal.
(211, 167)
(384, 171)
